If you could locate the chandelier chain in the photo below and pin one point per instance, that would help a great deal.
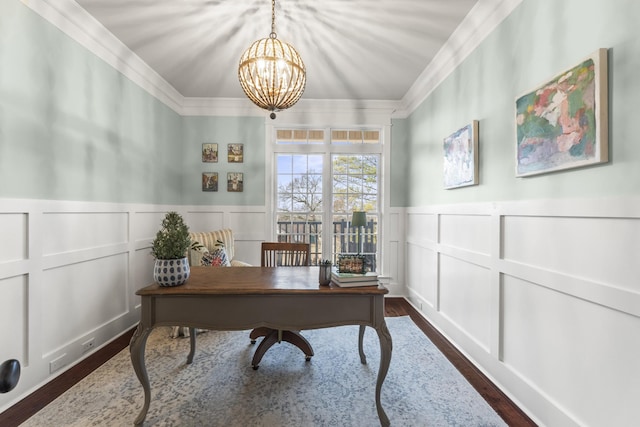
(273, 20)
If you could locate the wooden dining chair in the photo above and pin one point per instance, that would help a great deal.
(281, 254)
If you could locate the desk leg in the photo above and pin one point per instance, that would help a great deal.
(136, 350)
(385, 359)
(192, 344)
(363, 358)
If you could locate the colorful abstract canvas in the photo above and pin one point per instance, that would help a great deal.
(461, 157)
(563, 123)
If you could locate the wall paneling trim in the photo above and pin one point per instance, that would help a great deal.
(542, 295)
(69, 272)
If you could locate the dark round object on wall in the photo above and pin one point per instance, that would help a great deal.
(9, 375)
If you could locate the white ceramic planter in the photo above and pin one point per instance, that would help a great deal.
(171, 272)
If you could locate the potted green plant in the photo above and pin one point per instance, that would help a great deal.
(169, 248)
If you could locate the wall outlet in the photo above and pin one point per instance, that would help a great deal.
(88, 345)
(57, 363)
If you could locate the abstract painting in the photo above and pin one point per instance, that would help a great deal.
(461, 157)
(562, 124)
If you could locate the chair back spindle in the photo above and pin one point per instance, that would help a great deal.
(283, 254)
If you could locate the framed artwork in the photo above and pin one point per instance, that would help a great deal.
(351, 264)
(235, 182)
(563, 123)
(235, 153)
(210, 181)
(461, 157)
(209, 153)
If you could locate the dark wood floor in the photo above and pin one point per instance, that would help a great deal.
(503, 406)
(510, 413)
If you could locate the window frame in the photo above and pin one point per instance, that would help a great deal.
(328, 149)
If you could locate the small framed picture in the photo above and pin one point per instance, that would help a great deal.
(354, 264)
(209, 153)
(235, 153)
(210, 181)
(235, 182)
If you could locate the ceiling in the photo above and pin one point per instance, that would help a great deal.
(352, 49)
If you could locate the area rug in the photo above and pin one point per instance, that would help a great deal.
(220, 388)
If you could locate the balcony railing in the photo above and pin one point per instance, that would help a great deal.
(344, 239)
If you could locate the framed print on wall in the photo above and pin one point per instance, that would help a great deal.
(235, 182)
(235, 153)
(210, 181)
(209, 153)
(461, 157)
(563, 123)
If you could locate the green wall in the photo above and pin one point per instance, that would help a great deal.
(400, 158)
(74, 128)
(537, 41)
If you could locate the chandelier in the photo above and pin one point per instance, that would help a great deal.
(271, 72)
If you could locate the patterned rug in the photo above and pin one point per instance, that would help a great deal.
(221, 389)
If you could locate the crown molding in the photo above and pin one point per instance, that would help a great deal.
(82, 27)
(243, 107)
(481, 21)
(195, 106)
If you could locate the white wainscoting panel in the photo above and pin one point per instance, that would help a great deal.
(422, 274)
(206, 220)
(394, 261)
(74, 231)
(393, 252)
(470, 232)
(600, 249)
(82, 297)
(465, 297)
(248, 225)
(394, 229)
(582, 355)
(13, 318)
(13, 229)
(145, 224)
(422, 227)
(543, 296)
(141, 274)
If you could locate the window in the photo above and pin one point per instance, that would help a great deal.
(355, 188)
(341, 166)
(299, 200)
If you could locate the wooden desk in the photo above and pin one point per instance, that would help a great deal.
(242, 298)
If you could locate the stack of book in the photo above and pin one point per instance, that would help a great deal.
(349, 280)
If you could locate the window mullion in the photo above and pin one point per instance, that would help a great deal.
(327, 197)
